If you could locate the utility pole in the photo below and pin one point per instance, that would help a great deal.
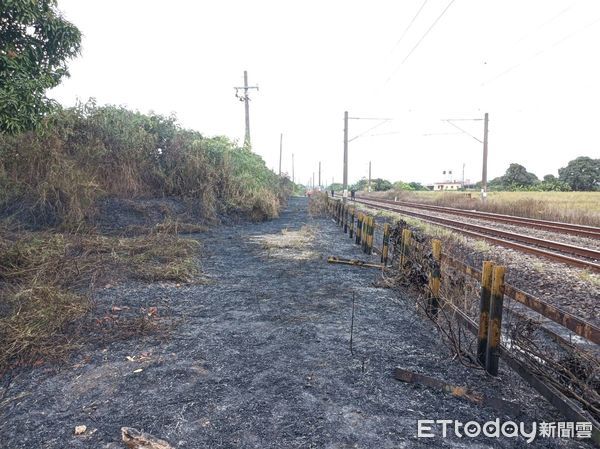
(313, 179)
(369, 188)
(345, 192)
(246, 99)
(485, 158)
(463, 176)
(293, 177)
(280, 151)
(319, 175)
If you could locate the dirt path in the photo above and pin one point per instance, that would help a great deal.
(261, 359)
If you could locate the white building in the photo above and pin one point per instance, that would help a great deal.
(447, 185)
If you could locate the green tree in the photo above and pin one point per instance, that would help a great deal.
(401, 185)
(377, 185)
(417, 186)
(582, 173)
(337, 186)
(35, 44)
(380, 185)
(517, 175)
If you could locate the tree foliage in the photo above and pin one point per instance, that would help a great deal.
(377, 185)
(517, 175)
(35, 44)
(582, 173)
(401, 185)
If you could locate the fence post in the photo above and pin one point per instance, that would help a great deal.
(386, 243)
(363, 232)
(346, 215)
(406, 236)
(484, 310)
(370, 241)
(372, 235)
(435, 280)
(351, 230)
(495, 330)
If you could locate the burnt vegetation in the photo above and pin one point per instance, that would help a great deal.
(69, 191)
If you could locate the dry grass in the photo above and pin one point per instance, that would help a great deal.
(168, 226)
(46, 281)
(289, 244)
(569, 207)
(317, 205)
(54, 176)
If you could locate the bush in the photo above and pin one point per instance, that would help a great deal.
(53, 176)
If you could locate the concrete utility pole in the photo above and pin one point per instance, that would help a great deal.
(369, 188)
(345, 193)
(280, 151)
(246, 99)
(485, 158)
(293, 177)
(313, 179)
(319, 175)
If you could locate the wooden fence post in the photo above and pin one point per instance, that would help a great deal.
(406, 236)
(385, 244)
(351, 230)
(495, 330)
(484, 310)
(346, 215)
(372, 237)
(365, 233)
(435, 279)
(359, 228)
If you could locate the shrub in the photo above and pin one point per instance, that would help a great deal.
(54, 175)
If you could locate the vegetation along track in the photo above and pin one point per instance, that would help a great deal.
(554, 226)
(570, 254)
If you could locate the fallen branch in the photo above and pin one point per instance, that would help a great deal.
(354, 262)
(456, 391)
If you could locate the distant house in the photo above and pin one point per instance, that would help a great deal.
(447, 185)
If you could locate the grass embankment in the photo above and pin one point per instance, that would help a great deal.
(569, 207)
(50, 183)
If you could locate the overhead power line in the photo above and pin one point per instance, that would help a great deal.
(420, 40)
(547, 22)
(541, 52)
(370, 129)
(410, 25)
(463, 131)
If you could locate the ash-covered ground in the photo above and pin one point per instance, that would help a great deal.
(259, 357)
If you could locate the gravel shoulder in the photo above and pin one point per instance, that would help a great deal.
(259, 357)
(571, 288)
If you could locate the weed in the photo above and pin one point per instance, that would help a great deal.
(46, 280)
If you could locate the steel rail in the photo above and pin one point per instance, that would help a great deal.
(516, 240)
(554, 226)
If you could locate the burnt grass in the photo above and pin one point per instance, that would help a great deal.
(259, 357)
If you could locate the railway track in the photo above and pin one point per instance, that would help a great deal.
(560, 252)
(564, 228)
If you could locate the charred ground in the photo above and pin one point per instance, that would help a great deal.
(259, 356)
